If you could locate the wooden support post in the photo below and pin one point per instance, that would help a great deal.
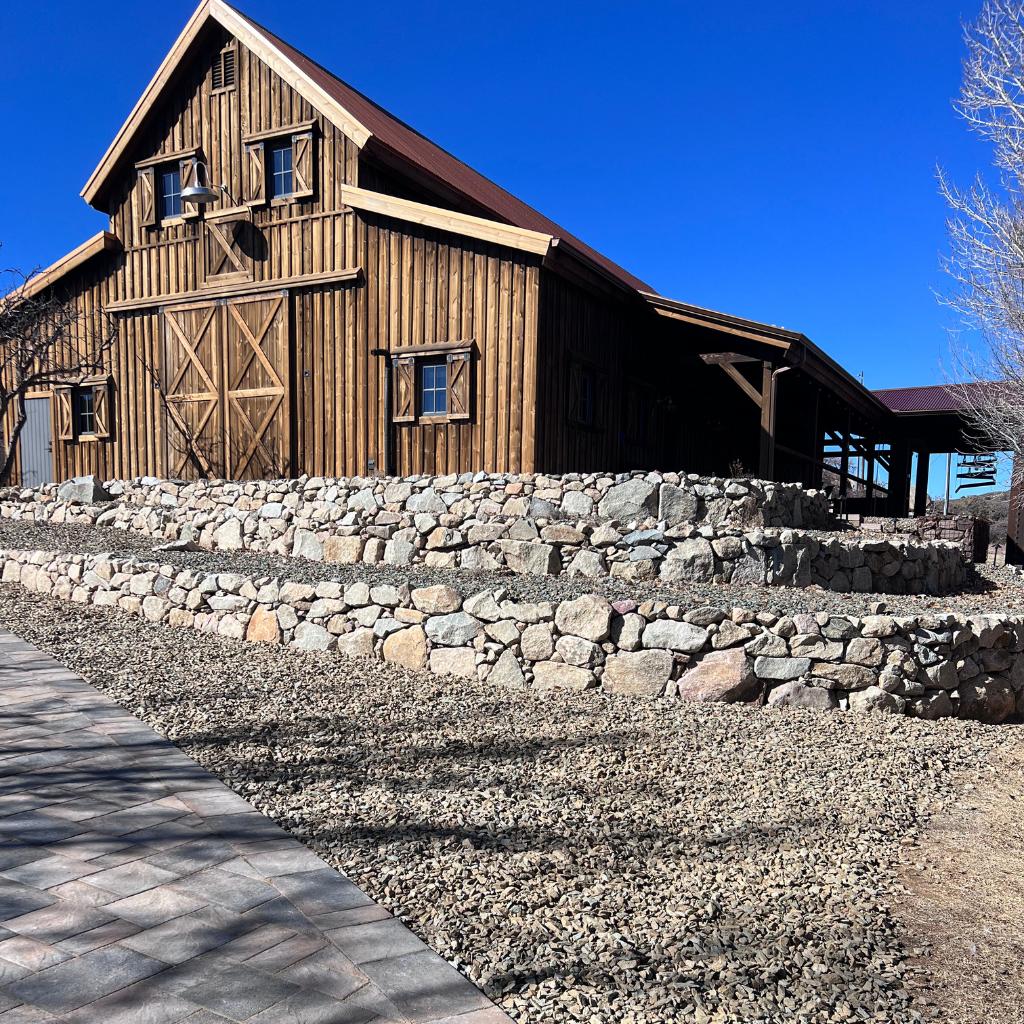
(898, 500)
(1015, 521)
(812, 477)
(844, 464)
(869, 487)
(767, 454)
(921, 484)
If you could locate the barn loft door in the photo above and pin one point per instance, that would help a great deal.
(225, 374)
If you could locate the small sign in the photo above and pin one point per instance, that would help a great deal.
(975, 470)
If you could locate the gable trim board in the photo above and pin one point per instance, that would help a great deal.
(102, 241)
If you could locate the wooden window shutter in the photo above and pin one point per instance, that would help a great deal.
(64, 406)
(302, 165)
(460, 366)
(187, 174)
(101, 407)
(254, 179)
(147, 196)
(404, 390)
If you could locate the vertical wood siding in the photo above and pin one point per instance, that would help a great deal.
(638, 372)
(418, 287)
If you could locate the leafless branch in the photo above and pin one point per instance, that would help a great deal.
(45, 340)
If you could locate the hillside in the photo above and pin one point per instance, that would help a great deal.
(993, 506)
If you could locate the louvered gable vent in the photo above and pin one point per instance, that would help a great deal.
(224, 69)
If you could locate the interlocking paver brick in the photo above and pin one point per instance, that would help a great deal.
(27, 1015)
(155, 906)
(240, 992)
(104, 935)
(10, 971)
(51, 870)
(365, 1006)
(84, 979)
(185, 937)
(58, 921)
(82, 892)
(321, 891)
(215, 885)
(424, 987)
(17, 899)
(145, 1002)
(344, 918)
(31, 953)
(136, 889)
(129, 879)
(328, 971)
(377, 940)
(286, 953)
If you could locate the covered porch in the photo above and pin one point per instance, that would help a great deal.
(770, 403)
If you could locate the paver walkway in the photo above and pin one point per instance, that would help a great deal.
(135, 887)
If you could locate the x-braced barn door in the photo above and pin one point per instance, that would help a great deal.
(225, 381)
(256, 387)
(191, 376)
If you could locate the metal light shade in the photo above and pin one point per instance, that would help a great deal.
(200, 191)
(199, 194)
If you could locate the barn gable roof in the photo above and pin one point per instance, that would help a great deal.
(362, 120)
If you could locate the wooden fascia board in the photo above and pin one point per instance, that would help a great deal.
(247, 34)
(564, 255)
(446, 220)
(102, 241)
(145, 102)
(698, 321)
(817, 365)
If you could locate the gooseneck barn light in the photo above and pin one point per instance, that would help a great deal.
(201, 191)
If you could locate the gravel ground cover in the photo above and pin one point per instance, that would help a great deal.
(580, 857)
(991, 590)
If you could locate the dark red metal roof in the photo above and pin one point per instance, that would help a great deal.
(418, 150)
(931, 397)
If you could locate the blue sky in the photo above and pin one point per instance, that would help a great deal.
(776, 161)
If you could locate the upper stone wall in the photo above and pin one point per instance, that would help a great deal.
(669, 498)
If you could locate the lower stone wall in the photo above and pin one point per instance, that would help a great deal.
(926, 666)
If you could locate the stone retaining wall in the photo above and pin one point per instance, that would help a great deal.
(926, 666)
(669, 497)
(525, 533)
(969, 533)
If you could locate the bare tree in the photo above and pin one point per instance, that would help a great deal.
(986, 231)
(46, 340)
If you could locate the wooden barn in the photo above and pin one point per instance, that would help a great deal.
(344, 297)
